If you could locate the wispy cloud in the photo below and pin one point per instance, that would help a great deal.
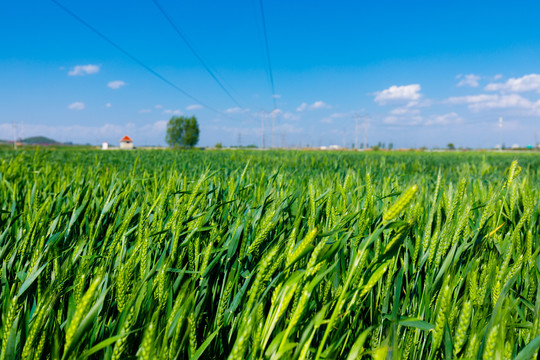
(470, 80)
(76, 106)
(236, 110)
(471, 99)
(172, 112)
(525, 83)
(398, 93)
(317, 105)
(330, 119)
(116, 84)
(287, 115)
(403, 120)
(405, 111)
(108, 105)
(194, 107)
(485, 101)
(419, 120)
(81, 70)
(446, 119)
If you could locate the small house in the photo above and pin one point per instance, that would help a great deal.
(126, 143)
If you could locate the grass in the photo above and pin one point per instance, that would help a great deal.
(267, 255)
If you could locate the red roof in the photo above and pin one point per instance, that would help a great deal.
(126, 138)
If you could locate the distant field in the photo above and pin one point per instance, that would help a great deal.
(269, 255)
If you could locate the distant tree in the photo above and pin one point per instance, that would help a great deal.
(182, 131)
(451, 146)
(219, 145)
(390, 146)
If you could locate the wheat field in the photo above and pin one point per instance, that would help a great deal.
(269, 255)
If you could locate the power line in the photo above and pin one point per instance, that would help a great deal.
(269, 63)
(132, 57)
(197, 55)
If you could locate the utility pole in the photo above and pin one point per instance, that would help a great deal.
(365, 131)
(273, 119)
(500, 132)
(14, 135)
(356, 132)
(262, 138)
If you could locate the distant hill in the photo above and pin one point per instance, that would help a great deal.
(39, 140)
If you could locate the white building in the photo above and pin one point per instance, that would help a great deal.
(126, 143)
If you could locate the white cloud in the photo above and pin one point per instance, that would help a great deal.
(529, 82)
(417, 120)
(76, 106)
(116, 84)
(81, 70)
(503, 102)
(469, 80)
(497, 77)
(108, 105)
(398, 93)
(236, 110)
(471, 99)
(340, 115)
(484, 101)
(446, 119)
(276, 96)
(158, 106)
(172, 112)
(290, 116)
(407, 110)
(317, 105)
(401, 120)
(330, 119)
(481, 102)
(144, 111)
(194, 107)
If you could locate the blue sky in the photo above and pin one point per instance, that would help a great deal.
(424, 73)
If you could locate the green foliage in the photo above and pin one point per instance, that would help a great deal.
(268, 255)
(38, 140)
(182, 131)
